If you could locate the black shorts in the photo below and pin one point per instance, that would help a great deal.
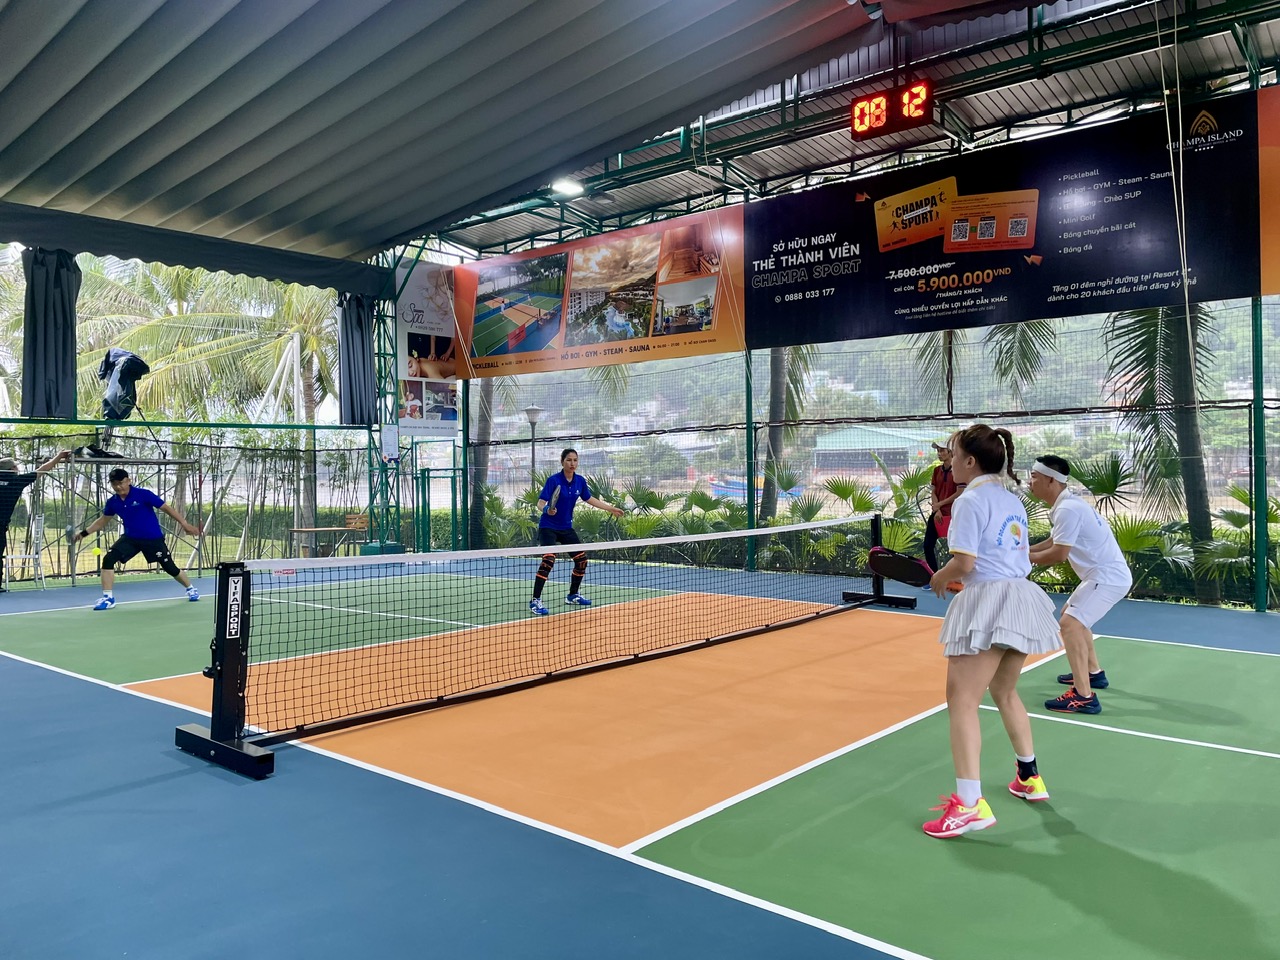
(547, 536)
(126, 548)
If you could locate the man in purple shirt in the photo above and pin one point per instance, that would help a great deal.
(136, 507)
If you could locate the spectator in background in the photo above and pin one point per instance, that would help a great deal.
(12, 483)
(943, 493)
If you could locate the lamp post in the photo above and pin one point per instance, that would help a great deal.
(533, 412)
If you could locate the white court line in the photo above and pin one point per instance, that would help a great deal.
(107, 683)
(815, 922)
(623, 853)
(803, 768)
(89, 606)
(1147, 736)
(780, 779)
(1193, 646)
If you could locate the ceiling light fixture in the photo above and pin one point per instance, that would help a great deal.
(566, 187)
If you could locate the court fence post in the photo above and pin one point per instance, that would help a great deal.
(222, 742)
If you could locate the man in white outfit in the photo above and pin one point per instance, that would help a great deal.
(1084, 539)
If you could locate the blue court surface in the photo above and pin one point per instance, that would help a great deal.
(117, 845)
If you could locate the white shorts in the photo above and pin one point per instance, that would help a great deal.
(1090, 601)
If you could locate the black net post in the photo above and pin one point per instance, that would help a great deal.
(877, 595)
(222, 742)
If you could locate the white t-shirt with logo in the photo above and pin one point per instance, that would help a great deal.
(1094, 555)
(990, 524)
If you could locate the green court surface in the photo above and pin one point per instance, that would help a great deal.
(490, 335)
(1216, 696)
(133, 641)
(1148, 848)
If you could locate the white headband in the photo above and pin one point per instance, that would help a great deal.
(1048, 471)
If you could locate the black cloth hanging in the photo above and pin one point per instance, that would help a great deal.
(121, 370)
(49, 333)
(357, 386)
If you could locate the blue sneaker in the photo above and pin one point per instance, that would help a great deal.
(105, 603)
(1072, 702)
(1097, 680)
(577, 600)
(193, 594)
(538, 607)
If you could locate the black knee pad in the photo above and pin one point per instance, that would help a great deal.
(111, 558)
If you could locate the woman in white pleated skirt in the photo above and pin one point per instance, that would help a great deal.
(994, 622)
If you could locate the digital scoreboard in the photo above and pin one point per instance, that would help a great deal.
(892, 111)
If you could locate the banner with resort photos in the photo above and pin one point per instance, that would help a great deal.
(426, 351)
(668, 289)
(1079, 223)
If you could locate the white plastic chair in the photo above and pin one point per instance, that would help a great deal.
(34, 557)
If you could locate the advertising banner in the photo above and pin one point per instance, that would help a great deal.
(426, 351)
(669, 289)
(1269, 186)
(1078, 223)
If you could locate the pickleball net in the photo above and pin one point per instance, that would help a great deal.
(309, 645)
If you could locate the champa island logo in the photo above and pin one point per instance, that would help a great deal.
(1204, 134)
(1204, 124)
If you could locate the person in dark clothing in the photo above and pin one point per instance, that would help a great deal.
(136, 509)
(943, 494)
(12, 483)
(560, 494)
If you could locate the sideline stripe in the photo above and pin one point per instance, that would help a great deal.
(623, 853)
(1193, 646)
(1147, 736)
(784, 777)
(834, 929)
(89, 606)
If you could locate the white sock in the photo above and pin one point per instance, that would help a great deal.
(107, 593)
(968, 791)
(1030, 759)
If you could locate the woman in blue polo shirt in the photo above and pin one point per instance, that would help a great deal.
(136, 507)
(560, 494)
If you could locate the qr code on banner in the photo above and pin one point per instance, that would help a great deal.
(987, 228)
(959, 231)
(1018, 227)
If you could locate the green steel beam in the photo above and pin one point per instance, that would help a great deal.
(384, 477)
(1043, 57)
(202, 424)
(1249, 51)
(1261, 507)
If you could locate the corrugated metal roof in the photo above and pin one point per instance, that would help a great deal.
(1059, 64)
(876, 438)
(339, 128)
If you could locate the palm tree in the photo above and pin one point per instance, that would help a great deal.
(1016, 350)
(213, 342)
(789, 371)
(1158, 362)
